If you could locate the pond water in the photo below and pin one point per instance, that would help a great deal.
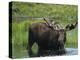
(71, 51)
(24, 53)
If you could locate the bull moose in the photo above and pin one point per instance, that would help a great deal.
(49, 36)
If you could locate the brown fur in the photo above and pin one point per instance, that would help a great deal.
(47, 39)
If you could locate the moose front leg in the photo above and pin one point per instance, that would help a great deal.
(39, 52)
(61, 49)
(30, 50)
(43, 52)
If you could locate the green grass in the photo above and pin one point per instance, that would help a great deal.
(65, 14)
(72, 38)
(20, 39)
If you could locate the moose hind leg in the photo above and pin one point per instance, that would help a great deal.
(30, 44)
(31, 41)
(30, 50)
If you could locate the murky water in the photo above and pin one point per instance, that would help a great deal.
(71, 51)
(24, 53)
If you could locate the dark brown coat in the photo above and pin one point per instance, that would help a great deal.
(47, 37)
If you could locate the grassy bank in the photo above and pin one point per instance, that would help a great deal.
(20, 38)
(65, 14)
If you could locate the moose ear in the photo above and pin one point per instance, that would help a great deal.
(71, 26)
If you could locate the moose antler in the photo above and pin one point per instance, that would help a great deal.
(71, 26)
(49, 24)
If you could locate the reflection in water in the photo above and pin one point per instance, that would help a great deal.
(71, 51)
(24, 53)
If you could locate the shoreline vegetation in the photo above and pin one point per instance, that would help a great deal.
(64, 14)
